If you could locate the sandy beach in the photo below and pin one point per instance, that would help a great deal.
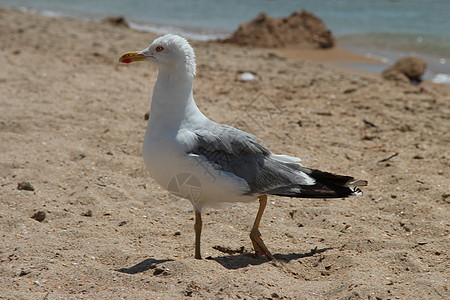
(72, 124)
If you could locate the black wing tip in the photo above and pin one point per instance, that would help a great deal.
(328, 185)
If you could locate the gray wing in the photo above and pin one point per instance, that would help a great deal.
(231, 150)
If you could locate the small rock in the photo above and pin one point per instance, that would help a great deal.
(177, 233)
(146, 116)
(87, 213)
(37, 283)
(275, 295)
(123, 223)
(25, 186)
(39, 215)
(248, 76)
(349, 90)
(24, 272)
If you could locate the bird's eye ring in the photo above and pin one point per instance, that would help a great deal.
(159, 49)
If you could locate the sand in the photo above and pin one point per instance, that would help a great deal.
(96, 226)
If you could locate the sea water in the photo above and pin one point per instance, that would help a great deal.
(386, 29)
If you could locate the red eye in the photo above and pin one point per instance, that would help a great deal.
(159, 49)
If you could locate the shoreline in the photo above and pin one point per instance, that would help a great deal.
(337, 57)
(351, 56)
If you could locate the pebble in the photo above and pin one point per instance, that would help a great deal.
(247, 76)
(87, 213)
(24, 272)
(25, 186)
(39, 215)
(37, 283)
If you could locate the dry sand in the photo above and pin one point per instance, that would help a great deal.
(72, 124)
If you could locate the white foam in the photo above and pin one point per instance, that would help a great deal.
(441, 78)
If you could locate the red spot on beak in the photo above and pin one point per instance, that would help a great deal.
(126, 60)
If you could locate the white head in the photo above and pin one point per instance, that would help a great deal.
(170, 52)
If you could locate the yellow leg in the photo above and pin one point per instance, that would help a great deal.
(255, 235)
(198, 233)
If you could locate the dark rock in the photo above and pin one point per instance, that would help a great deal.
(87, 213)
(39, 215)
(24, 272)
(25, 186)
(349, 90)
(275, 295)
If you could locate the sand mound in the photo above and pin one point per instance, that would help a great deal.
(407, 69)
(301, 29)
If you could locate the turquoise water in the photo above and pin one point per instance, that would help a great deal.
(380, 28)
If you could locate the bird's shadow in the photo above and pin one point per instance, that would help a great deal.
(231, 262)
(242, 260)
(145, 265)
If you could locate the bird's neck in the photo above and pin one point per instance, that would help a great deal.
(173, 103)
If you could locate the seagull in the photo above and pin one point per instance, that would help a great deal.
(211, 164)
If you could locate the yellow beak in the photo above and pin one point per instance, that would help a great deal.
(130, 57)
